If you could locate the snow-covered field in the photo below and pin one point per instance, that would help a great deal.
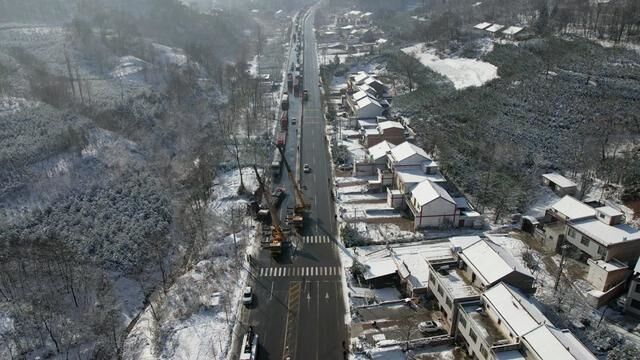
(462, 72)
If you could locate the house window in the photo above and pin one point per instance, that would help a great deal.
(463, 322)
(432, 278)
(637, 288)
(602, 250)
(449, 303)
(584, 241)
(499, 321)
(601, 216)
(440, 290)
(473, 335)
(571, 233)
(483, 351)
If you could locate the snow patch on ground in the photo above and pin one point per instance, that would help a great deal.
(462, 72)
(127, 66)
(131, 295)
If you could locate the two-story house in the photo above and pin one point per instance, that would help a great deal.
(505, 324)
(599, 233)
(431, 206)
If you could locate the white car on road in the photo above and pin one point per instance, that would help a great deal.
(247, 296)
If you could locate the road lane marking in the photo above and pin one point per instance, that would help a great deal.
(271, 294)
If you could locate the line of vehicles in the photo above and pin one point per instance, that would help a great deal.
(275, 235)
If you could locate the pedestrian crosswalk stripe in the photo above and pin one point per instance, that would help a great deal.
(299, 271)
(316, 239)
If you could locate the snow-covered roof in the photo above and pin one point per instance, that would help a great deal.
(360, 77)
(381, 41)
(369, 131)
(407, 149)
(367, 101)
(559, 180)
(416, 176)
(367, 124)
(428, 191)
(512, 30)
(461, 242)
(609, 211)
(494, 28)
(390, 125)
(359, 95)
(456, 285)
(417, 270)
(380, 149)
(515, 309)
(347, 27)
(353, 13)
(637, 268)
(482, 25)
(368, 13)
(379, 267)
(551, 343)
(491, 262)
(606, 234)
(573, 209)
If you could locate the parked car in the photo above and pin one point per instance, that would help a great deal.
(247, 296)
(293, 120)
(429, 326)
(345, 167)
(306, 168)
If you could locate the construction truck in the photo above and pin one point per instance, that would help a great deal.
(290, 80)
(295, 215)
(285, 102)
(274, 236)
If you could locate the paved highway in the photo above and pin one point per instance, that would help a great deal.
(299, 308)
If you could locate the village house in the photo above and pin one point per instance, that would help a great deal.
(598, 233)
(485, 263)
(608, 280)
(375, 160)
(390, 131)
(431, 206)
(559, 184)
(505, 324)
(450, 289)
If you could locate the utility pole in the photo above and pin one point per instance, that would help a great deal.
(564, 249)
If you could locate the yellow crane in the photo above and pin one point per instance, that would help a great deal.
(277, 236)
(297, 218)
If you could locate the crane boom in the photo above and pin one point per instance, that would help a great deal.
(275, 221)
(300, 204)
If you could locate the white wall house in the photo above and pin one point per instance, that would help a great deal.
(367, 108)
(431, 205)
(505, 324)
(406, 155)
(485, 263)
